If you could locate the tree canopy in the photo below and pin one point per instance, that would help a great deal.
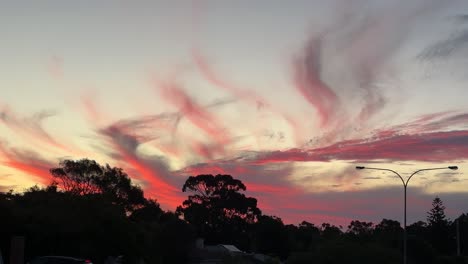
(439, 227)
(216, 203)
(436, 216)
(93, 211)
(84, 177)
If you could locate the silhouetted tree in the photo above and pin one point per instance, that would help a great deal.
(463, 229)
(389, 232)
(330, 232)
(217, 208)
(420, 250)
(78, 177)
(270, 236)
(305, 236)
(62, 223)
(436, 216)
(116, 185)
(149, 212)
(417, 229)
(84, 177)
(439, 232)
(93, 211)
(360, 230)
(176, 238)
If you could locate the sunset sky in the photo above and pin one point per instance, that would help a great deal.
(288, 96)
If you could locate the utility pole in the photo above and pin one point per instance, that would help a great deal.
(458, 237)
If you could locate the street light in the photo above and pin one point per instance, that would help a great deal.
(405, 185)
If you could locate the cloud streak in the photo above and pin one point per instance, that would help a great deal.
(195, 113)
(455, 44)
(154, 172)
(352, 57)
(428, 147)
(31, 127)
(26, 162)
(308, 81)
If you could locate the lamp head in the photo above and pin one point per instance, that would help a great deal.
(453, 167)
(360, 167)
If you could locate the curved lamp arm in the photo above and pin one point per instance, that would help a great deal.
(367, 168)
(443, 168)
(405, 183)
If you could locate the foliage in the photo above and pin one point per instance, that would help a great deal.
(439, 228)
(463, 228)
(217, 208)
(389, 233)
(360, 230)
(93, 214)
(94, 211)
(78, 177)
(305, 236)
(270, 236)
(84, 177)
(330, 232)
(436, 216)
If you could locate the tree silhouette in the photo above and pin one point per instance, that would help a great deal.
(270, 236)
(329, 231)
(78, 177)
(389, 232)
(463, 232)
(150, 212)
(306, 236)
(439, 227)
(94, 211)
(389, 226)
(217, 208)
(362, 229)
(85, 177)
(436, 216)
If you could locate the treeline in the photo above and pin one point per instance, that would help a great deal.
(93, 211)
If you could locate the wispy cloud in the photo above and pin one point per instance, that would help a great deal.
(351, 57)
(195, 113)
(27, 162)
(309, 82)
(435, 146)
(30, 127)
(372, 178)
(446, 48)
(153, 171)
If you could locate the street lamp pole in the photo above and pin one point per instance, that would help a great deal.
(405, 186)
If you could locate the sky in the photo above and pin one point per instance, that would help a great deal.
(288, 96)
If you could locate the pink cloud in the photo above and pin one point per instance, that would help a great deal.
(431, 147)
(154, 172)
(308, 81)
(243, 94)
(194, 112)
(27, 162)
(209, 74)
(31, 128)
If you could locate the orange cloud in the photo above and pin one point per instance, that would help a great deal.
(27, 162)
